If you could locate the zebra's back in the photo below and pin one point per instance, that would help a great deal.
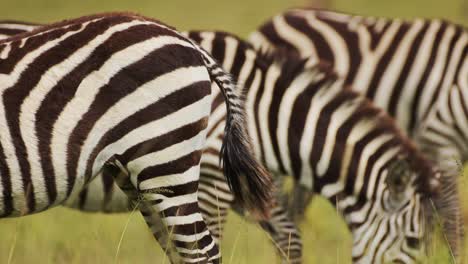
(402, 65)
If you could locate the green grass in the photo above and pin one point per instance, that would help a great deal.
(66, 236)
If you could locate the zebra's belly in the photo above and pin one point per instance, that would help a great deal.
(100, 195)
(36, 190)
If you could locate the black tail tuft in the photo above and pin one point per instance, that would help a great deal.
(249, 181)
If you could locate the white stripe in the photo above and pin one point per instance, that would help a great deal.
(323, 96)
(216, 193)
(449, 77)
(370, 58)
(170, 180)
(207, 41)
(436, 72)
(303, 44)
(18, 26)
(219, 112)
(250, 111)
(168, 202)
(415, 75)
(271, 77)
(5, 52)
(260, 42)
(367, 152)
(358, 131)
(195, 251)
(338, 17)
(285, 112)
(335, 42)
(460, 117)
(386, 85)
(182, 219)
(247, 68)
(209, 158)
(230, 53)
(190, 238)
(163, 156)
(337, 119)
(372, 181)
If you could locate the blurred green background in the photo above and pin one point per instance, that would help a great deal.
(67, 236)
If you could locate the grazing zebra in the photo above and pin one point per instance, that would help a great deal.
(356, 183)
(305, 122)
(416, 70)
(129, 97)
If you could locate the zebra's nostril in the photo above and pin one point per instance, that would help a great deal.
(413, 242)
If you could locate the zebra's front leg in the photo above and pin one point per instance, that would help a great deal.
(169, 205)
(285, 234)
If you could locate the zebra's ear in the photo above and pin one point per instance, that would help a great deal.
(399, 176)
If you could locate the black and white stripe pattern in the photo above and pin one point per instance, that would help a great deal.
(10, 28)
(304, 122)
(128, 96)
(254, 71)
(415, 70)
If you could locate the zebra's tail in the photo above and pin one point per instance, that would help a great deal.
(249, 181)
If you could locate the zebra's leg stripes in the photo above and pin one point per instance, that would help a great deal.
(173, 216)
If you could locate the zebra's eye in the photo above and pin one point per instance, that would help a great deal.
(413, 242)
(398, 177)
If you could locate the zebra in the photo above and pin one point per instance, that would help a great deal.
(129, 97)
(252, 70)
(415, 70)
(306, 122)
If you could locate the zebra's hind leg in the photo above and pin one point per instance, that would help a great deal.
(301, 198)
(169, 204)
(113, 168)
(285, 234)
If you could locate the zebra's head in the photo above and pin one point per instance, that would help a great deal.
(393, 222)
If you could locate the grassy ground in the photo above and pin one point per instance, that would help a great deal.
(67, 236)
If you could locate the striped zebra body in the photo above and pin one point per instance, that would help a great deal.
(266, 84)
(101, 194)
(304, 122)
(415, 70)
(126, 96)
